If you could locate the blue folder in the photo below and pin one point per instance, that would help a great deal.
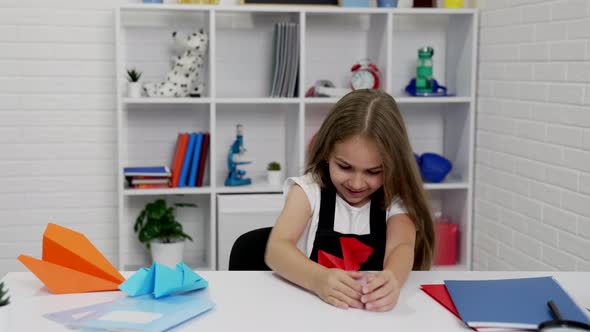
(511, 303)
(182, 181)
(192, 179)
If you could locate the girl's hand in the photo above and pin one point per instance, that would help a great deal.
(339, 288)
(381, 292)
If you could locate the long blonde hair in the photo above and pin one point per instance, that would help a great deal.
(375, 115)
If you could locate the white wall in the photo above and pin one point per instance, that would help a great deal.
(532, 199)
(57, 124)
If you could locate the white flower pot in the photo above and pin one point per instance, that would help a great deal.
(168, 254)
(134, 90)
(275, 178)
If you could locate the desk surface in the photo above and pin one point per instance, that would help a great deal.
(261, 301)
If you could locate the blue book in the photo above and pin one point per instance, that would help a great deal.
(147, 171)
(187, 160)
(511, 303)
(192, 179)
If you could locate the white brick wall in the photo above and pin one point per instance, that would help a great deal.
(532, 197)
(57, 124)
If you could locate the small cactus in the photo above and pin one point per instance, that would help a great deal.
(133, 75)
(273, 166)
(4, 298)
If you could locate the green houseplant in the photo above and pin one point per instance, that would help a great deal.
(133, 75)
(274, 173)
(157, 228)
(273, 166)
(133, 87)
(158, 221)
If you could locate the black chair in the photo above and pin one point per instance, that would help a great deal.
(247, 253)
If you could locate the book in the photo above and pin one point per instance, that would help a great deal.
(181, 144)
(192, 179)
(182, 181)
(147, 171)
(150, 181)
(150, 185)
(511, 303)
(203, 160)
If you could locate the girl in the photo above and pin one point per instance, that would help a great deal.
(362, 182)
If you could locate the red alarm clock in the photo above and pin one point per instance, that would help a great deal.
(365, 75)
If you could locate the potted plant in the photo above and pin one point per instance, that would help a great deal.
(274, 173)
(133, 87)
(159, 230)
(4, 309)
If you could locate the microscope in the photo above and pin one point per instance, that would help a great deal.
(235, 177)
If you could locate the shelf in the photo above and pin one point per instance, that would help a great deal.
(167, 191)
(401, 100)
(256, 188)
(446, 186)
(432, 100)
(148, 100)
(237, 76)
(256, 100)
(293, 8)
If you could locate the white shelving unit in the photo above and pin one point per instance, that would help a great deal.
(238, 73)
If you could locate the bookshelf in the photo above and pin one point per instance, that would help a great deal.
(238, 79)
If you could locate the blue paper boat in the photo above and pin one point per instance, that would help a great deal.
(162, 281)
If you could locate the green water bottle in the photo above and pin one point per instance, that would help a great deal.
(424, 70)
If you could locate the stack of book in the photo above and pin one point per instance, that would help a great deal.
(190, 156)
(147, 177)
(505, 304)
(285, 65)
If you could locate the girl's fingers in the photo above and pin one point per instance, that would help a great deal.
(336, 302)
(383, 304)
(350, 301)
(352, 282)
(377, 294)
(349, 291)
(373, 283)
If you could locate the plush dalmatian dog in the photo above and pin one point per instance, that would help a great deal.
(186, 76)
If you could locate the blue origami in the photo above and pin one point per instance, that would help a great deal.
(162, 281)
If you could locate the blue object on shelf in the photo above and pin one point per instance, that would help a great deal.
(434, 167)
(437, 90)
(235, 176)
(417, 157)
(387, 3)
(152, 1)
(355, 3)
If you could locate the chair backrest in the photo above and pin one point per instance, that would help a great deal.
(247, 253)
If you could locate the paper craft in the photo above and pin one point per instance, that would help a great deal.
(440, 294)
(354, 253)
(71, 264)
(142, 313)
(162, 280)
(511, 303)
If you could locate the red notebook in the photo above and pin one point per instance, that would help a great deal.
(202, 160)
(181, 143)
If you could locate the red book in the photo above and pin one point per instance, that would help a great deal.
(202, 160)
(181, 143)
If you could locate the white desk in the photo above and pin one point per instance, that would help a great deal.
(261, 301)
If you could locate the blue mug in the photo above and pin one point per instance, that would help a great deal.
(387, 3)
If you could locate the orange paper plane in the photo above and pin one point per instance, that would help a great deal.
(71, 264)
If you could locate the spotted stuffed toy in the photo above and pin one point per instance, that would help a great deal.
(186, 76)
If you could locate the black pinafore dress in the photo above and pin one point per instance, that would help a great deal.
(328, 240)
